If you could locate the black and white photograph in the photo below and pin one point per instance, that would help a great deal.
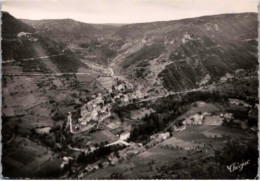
(129, 89)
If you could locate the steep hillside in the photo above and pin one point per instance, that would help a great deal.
(89, 41)
(70, 30)
(175, 55)
(188, 53)
(34, 52)
(36, 94)
(11, 27)
(162, 100)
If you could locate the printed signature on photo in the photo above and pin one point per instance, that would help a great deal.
(237, 166)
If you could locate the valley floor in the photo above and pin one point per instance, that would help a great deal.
(104, 123)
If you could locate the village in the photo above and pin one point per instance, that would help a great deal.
(98, 109)
(96, 119)
(130, 149)
(129, 99)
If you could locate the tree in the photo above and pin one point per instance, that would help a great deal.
(100, 165)
(16, 129)
(33, 132)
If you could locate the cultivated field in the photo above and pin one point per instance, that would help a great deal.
(106, 82)
(191, 144)
(26, 158)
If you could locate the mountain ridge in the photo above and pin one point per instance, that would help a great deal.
(172, 55)
(190, 18)
(22, 45)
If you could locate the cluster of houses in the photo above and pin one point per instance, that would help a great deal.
(217, 119)
(110, 160)
(207, 119)
(180, 128)
(91, 168)
(160, 137)
(26, 36)
(125, 136)
(114, 158)
(157, 138)
(93, 111)
(122, 92)
(99, 108)
(133, 148)
(239, 102)
(66, 161)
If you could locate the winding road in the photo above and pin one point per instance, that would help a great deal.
(10, 139)
(76, 132)
(48, 74)
(27, 59)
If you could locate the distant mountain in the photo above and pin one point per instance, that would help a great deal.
(88, 40)
(67, 30)
(21, 43)
(176, 55)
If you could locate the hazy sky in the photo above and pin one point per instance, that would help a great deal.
(124, 11)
